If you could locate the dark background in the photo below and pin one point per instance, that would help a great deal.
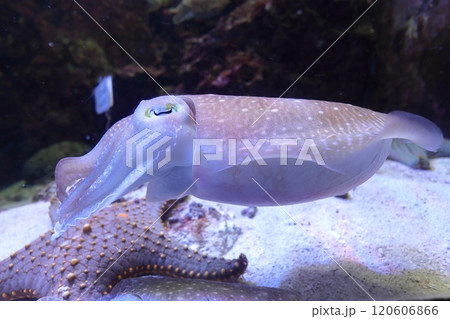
(51, 55)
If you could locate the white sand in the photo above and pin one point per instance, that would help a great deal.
(392, 237)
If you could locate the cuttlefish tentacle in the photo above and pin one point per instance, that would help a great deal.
(226, 148)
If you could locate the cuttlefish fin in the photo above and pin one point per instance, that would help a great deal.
(415, 128)
(400, 125)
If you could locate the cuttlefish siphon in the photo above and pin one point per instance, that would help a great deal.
(235, 149)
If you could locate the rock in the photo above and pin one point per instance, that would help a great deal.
(158, 288)
(18, 193)
(40, 167)
(197, 9)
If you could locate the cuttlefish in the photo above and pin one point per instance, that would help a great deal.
(254, 151)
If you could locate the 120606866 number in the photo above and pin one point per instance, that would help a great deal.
(404, 310)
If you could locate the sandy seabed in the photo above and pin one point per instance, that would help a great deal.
(390, 240)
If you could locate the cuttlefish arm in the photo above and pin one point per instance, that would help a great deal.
(123, 160)
(235, 149)
(70, 169)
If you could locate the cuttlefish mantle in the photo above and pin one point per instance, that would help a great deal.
(241, 150)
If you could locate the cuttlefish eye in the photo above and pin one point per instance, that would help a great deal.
(161, 109)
